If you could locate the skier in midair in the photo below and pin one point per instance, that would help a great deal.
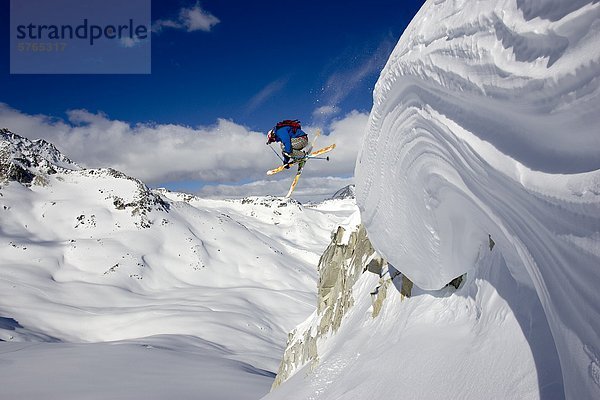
(295, 148)
(293, 140)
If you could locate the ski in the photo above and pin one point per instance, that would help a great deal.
(311, 155)
(301, 167)
(317, 134)
(296, 178)
(321, 151)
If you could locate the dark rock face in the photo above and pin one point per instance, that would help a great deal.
(347, 192)
(22, 160)
(14, 172)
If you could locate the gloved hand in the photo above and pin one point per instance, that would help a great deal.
(286, 158)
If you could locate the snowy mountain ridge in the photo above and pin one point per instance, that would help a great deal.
(37, 156)
(93, 256)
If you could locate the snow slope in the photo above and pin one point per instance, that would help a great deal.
(486, 120)
(445, 344)
(104, 278)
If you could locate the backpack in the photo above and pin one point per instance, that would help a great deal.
(292, 123)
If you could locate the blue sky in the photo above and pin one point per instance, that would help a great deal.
(289, 49)
(261, 62)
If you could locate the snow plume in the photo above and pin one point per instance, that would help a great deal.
(266, 93)
(225, 152)
(365, 62)
(325, 111)
(485, 122)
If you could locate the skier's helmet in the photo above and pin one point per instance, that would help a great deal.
(271, 136)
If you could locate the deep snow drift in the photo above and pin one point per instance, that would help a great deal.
(394, 342)
(486, 122)
(482, 156)
(111, 289)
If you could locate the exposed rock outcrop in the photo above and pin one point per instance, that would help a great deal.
(347, 192)
(349, 254)
(29, 161)
(347, 257)
(143, 200)
(339, 267)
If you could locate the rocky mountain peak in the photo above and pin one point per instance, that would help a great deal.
(22, 159)
(347, 192)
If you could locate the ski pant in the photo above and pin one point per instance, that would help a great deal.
(298, 144)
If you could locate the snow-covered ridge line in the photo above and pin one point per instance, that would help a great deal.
(485, 122)
(32, 153)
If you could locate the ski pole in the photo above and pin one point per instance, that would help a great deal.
(277, 154)
(319, 158)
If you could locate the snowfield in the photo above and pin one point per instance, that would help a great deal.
(486, 122)
(113, 290)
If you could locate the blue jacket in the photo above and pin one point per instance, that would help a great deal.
(285, 135)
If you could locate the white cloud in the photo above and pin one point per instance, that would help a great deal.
(265, 93)
(196, 18)
(129, 42)
(191, 19)
(347, 133)
(153, 152)
(158, 25)
(159, 153)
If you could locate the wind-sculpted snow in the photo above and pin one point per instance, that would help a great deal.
(486, 122)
